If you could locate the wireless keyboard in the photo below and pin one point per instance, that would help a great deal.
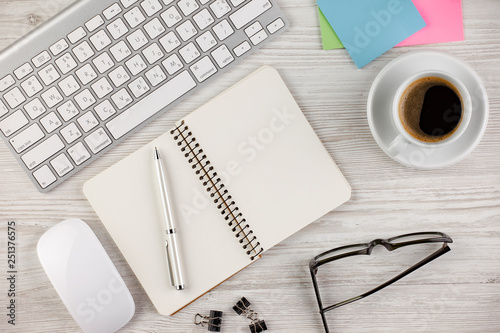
(98, 71)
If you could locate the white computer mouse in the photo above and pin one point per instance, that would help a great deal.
(85, 278)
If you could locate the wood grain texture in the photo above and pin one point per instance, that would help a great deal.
(460, 292)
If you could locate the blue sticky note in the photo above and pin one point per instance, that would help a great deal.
(368, 28)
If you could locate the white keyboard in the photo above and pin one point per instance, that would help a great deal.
(100, 70)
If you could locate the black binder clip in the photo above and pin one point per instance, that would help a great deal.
(213, 321)
(258, 326)
(242, 307)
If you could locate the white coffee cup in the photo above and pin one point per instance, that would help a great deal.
(403, 138)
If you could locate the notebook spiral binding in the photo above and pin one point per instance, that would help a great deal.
(214, 186)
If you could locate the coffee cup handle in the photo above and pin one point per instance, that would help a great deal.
(397, 146)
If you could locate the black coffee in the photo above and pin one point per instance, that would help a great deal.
(430, 109)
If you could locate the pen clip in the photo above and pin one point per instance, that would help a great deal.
(170, 271)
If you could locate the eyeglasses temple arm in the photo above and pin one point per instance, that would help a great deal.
(421, 263)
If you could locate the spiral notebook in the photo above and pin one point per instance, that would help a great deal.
(246, 171)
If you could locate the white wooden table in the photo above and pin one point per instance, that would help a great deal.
(460, 292)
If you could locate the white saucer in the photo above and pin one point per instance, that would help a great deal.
(380, 108)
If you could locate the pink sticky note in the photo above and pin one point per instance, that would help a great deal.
(444, 22)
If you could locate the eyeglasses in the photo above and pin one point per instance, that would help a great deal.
(390, 244)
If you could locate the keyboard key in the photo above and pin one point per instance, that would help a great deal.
(151, 7)
(236, 3)
(44, 176)
(83, 51)
(206, 41)
(14, 97)
(220, 7)
(79, 153)
(77, 35)
(117, 28)
(100, 40)
(153, 53)
(71, 133)
(258, 37)
(203, 69)
(119, 76)
(134, 17)
(86, 74)
(31, 86)
(137, 39)
(94, 23)
(84, 99)
(186, 30)
(172, 64)
(223, 30)
(35, 108)
(162, 97)
(120, 51)
(88, 121)
(98, 140)
(103, 62)
(121, 99)
(105, 110)
(275, 25)
(50, 122)
(59, 47)
(127, 3)
(23, 71)
(66, 63)
(43, 151)
(138, 87)
(13, 123)
(52, 97)
(170, 41)
(203, 19)
(222, 56)
(3, 109)
(136, 64)
(112, 11)
(69, 85)
(67, 110)
(6, 82)
(171, 16)
(61, 165)
(27, 138)
(253, 29)
(249, 12)
(154, 28)
(188, 6)
(242, 49)
(102, 87)
(41, 59)
(155, 76)
(49, 74)
(189, 53)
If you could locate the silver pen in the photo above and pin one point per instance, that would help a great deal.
(172, 250)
